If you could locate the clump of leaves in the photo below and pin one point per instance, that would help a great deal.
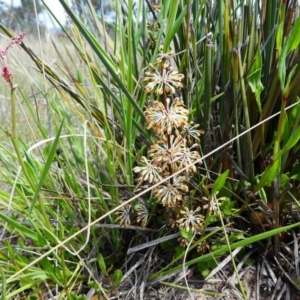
(235, 65)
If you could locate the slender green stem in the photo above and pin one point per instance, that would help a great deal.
(13, 136)
(246, 116)
(276, 149)
(223, 24)
(208, 85)
(62, 259)
(187, 47)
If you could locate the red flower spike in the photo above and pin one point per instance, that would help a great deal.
(6, 74)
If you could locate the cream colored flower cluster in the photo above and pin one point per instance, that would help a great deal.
(174, 146)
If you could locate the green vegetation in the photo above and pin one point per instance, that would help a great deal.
(168, 143)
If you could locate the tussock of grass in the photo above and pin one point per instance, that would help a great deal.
(110, 189)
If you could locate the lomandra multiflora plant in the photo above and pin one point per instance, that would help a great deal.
(174, 149)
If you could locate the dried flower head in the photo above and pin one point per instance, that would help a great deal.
(124, 217)
(189, 158)
(171, 194)
(165, 119)
(191, 219)
(212, 205)
(163, 79)
(164, 57)
(156, 7)
(203, 247)
(148, 171)
(172, 222)
(168, 195)
(153, 26)
(142, 214)
(184, 242)
(191, 130)
(167, 151)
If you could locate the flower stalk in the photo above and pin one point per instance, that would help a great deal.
(8, 77)
(173, 148)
